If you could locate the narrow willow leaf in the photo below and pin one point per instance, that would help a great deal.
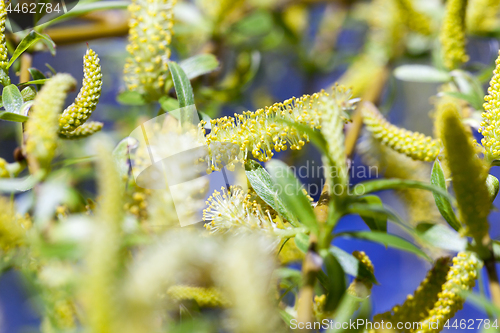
(376, 211)
(290, 189)
(265, 187)
(441, 236)
(168, 103)
(442, 203)
(9, 116)
(8, 185)
(421, 73)
(376, 221)
(473, 100)
(302, 242)
(182, 85)
(37, 82)
(36, 75)
(387, 240)
(401, 184)
(130, 98)
(335, 283)
(352, 265)
(198, 65)
(29, 40)
(12, 99)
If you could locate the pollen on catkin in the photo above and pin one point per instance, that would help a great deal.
(4, 173)
(13, 227)
(417, 306)
(42, 126)
(233, 211)
(468, 173)
(264, 130)
(482, 16)
(205, 297)
(461, 277)
(85, 103)
(150, 24)
(412, 144)
(452, 35)
(82, 131)
(415, 20)
(3, 43)
(490, 126)
(332, 128)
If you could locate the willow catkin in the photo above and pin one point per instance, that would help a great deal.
(417, 306)
(85, 103)
(264, 131)
(205, 297)
(482, 16)
(103, 254)
(13, 227)
(82, 131)
(42, 126)
(468, 173)
(461, 277)
(452, 35)
(3, 43)
(412, 144)
(151, 23)
(490, 125)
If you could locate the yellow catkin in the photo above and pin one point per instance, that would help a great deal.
(42, 126)
(361, 286)
(490, 126)
(468, 173)
(85, 103)
(233, 211)
(12, 227)
(264, 130)
(150, 34)
(82, 131)
(205, 297)
(452, 35)
(461, 277)
(4, 173)
(420, 204)
(332, 128)
(417, 306)
(3, 44)
(415, 20)
(103, 257)
(386, 36)
(482, 16)
(412, 144)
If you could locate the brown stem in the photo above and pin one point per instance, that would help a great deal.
(26, 61)
(103, 24)
(493, 279)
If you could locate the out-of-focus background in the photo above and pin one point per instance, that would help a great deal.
(267, 55)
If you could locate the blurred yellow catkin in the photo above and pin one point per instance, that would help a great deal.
(452, 35)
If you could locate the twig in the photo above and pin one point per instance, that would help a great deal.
(26, 60)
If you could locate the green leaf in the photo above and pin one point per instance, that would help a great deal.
(287, 318)
(121, 154)
(28, 94)
(440, 236)
(374, 219)
(400, 184)
(493, 185)
(335, 282)
(421, 73)
(387, 240)
(29, 40)
(182, 85)
(130, 98)
(352, 265)
(481, 302)
(198, 65)
(289, 188)
(302, 242)
(168, 103)
(36, 75)
(12, 99)
(471, 99)
(8, 185)
(265, 187)
(9, 116)
(38, 82)
(442, 203)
